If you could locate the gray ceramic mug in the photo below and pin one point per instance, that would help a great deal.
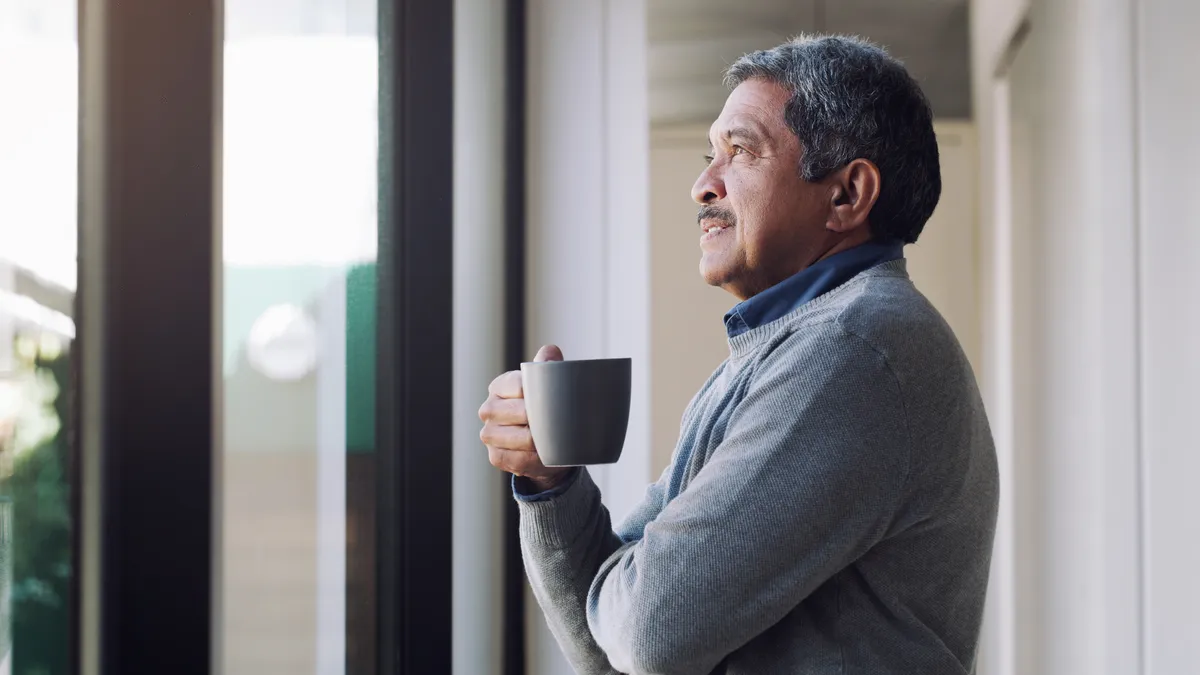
(578, 410)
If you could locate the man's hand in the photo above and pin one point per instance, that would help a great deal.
(506, 428)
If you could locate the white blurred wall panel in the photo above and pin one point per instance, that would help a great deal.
(588, 237)
(1169, 201)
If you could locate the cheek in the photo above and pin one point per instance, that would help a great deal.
(761, 221)
(775, 229)
(747, 198)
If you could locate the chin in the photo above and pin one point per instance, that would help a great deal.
(714, 274)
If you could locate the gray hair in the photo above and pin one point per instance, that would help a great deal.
(850, 100)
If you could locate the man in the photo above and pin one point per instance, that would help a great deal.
(831, 502)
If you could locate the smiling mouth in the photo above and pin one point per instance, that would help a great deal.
(712, 230)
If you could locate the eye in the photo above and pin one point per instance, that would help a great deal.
(708, 159)
(738, 150)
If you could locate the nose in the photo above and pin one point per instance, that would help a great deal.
(709, 187)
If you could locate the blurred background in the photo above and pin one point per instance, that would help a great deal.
(1062, 254)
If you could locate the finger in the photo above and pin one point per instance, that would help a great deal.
(514, 461)
(503, 411)
(507, 385)
(506, 436)
(549, 353)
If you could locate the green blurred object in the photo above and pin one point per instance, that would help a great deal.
(361, 295)
(38, 494)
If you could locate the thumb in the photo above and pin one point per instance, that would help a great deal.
(549, 353)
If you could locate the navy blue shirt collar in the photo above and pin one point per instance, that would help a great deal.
(816, 279)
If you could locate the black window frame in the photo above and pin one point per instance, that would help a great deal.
(415, 339)
(515, 120)
(145, 316)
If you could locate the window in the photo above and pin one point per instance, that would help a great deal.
(298, 325)
(265, 334)
(37, 285)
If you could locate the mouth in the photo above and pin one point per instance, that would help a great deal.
(712, 229)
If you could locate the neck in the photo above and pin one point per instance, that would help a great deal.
(833, 244)
(836, 243)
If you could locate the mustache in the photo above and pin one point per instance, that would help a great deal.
(720, 213)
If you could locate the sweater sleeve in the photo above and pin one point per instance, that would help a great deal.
(564, 540)
(805, 481)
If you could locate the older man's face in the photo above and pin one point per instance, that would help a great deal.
(759, 221)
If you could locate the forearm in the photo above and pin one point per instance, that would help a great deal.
(563, 542)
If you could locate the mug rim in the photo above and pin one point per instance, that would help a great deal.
(560, 363)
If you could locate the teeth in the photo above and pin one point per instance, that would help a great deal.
(712, 229)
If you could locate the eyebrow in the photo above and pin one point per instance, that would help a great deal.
(754, 136)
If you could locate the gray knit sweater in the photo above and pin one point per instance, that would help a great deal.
(829, 508)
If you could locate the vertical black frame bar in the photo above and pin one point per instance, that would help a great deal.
(150, 78)
(415, 331)
(514, 309)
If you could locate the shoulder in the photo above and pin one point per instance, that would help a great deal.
(886, 309)
(888, 313)
(877, 332)
(820, 362)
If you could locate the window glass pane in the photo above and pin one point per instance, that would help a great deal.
(38, 85)
(300, 148)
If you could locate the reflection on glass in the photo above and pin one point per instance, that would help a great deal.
(300, 125)
(38, 85)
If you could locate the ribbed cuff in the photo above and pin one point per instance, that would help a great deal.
(521, 487)
(556, 523)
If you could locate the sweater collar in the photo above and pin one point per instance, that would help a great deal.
(811, 282)
(746, 343)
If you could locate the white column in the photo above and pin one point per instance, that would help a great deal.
(1169, 201)
(627, 226)
(588, 223)
(588, 228)
(479, 71)
(994, 24)
(1061, 344)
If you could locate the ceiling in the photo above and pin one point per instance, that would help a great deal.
(692, 41)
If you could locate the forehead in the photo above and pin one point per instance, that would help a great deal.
(755, 103)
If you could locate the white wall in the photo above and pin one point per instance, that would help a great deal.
(687, 332)
(1088, 217)
(944, 261)
(688, 335)
(588, 240)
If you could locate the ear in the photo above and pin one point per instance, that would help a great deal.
(853, 191)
